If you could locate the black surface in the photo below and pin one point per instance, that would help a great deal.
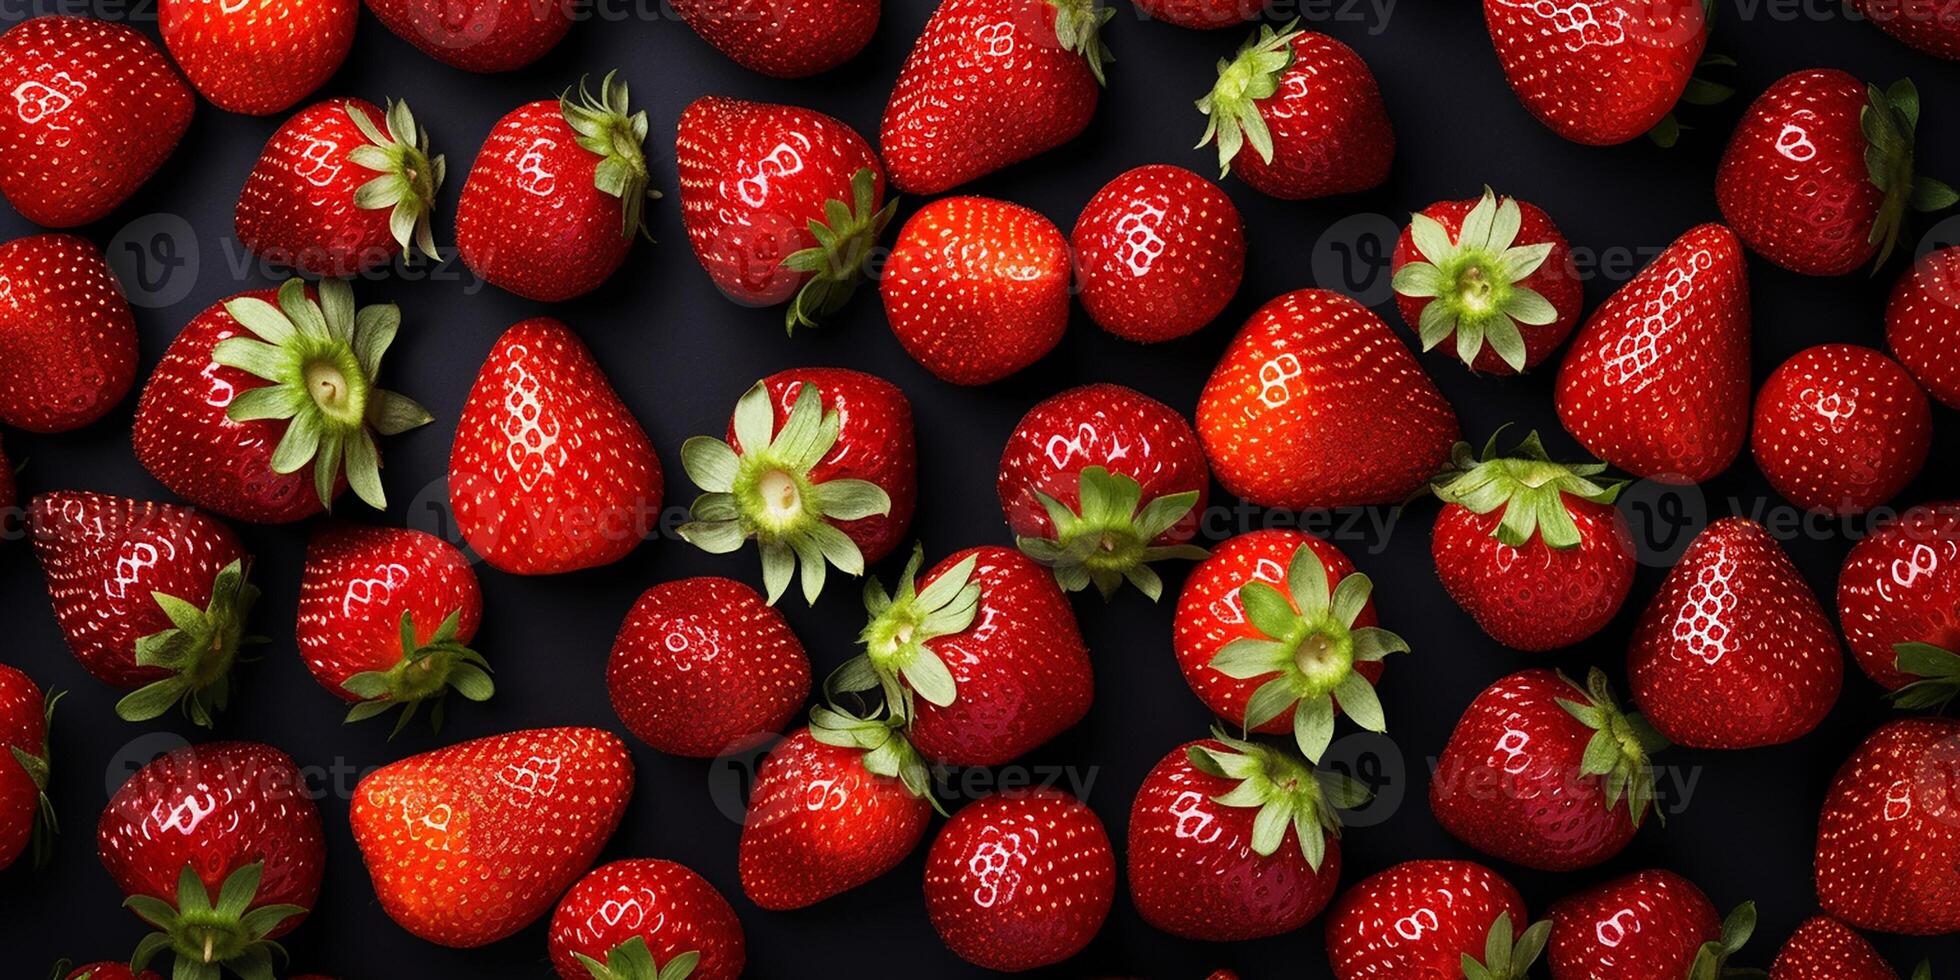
(680, 354)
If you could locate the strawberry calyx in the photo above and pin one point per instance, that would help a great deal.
(1504, 958)
(409, 175)
(845, 238)
(321, 358)
(426, 671)
(199, 649)
(632, 960)
(1924, 971)
(1711, 960)
(881, 739)
(1109, 541)
(1078, 28)
(38, 769)
(1889, 120)
(1938, 671)
(1284, 789)
(764, 491)
(1620, 747)
(607, 126)
(896, 660)
(204, 935)
(1244, 81)
(1527, 486)
(1472, 281)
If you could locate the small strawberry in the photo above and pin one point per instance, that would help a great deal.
(976, 289)
(1888, 842)
(1932, 26)
(96, 110)
(1825, 949)
(1657, 383)
(549, 472)
(1840, 429)
(1317, 404)
(105, 971)
(67, 338)
(478, 35)
(26, 814)
(468, 844)
(1310, 110)
(1899, 603)
(1601, 72)
(1019, 880)
(258, 56)
(670, 913)
(784, 38)
(1202, 15)
(1646, 925)
(1432, 919)
(1160, 251)
(1921, 321)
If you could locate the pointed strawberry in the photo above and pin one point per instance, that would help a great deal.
(1601, 73)
(27, 815)
(1888, 841)
(784, 38)
(1648, 924)
(1021, 879)
(1840, 429)
(1932, 26)
(1160, 251)
(665, 909)
(1432, 919)
(1825, 949)
(1922, 318)
(1899, 603)
(258, 56)
(67, 338)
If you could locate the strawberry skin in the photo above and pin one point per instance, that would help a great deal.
(1922, 318)
(1420, 919)
(257, 56)
(1160, 252)
(1598, 72)
(1825, 949)
(26, 814)
(1646, 925)
(663, 904)
(1321, 127)
(478, 35)
(1841, 429)
(1932, 26)
(97, 111)
(784, 38)
(1888, 841)
(1020, 880)
(1202, 15)
(1901, 585)
(111, 971)
(67, 338)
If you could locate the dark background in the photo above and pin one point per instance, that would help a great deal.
(680, 354)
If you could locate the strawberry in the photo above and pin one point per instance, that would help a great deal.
(1542, 772)
(820, 467)
(1921, 319)
(258, 57)
(1899, 603)
(219, 847)
(1202, 15)
(1494, 273)
(703, 667)
(105, 971)
(478, 35)
(549, 472)
(1819, 173)
(556, 195)
(385, 620)
(1932, 26)
(1309, 108)
(976, 289)
(1599, 72)
(1888, 842)
(67, 338)
(1648, 924)
(468, 844)
(989, 84)
(96, 110)
(26, 813)
(151, 596)
(1432, 919)
(781, 203)
(1840, 429)
(784, 38)
(1019, 880)
(664, 908)
(1160, 251)
(1533, 550)
(1100, 480)
(1658, 382)
(341, 188)
(1317, 404)
(1825, 949)
(250, 394)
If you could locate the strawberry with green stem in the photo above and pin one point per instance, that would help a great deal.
(897, 660)
(1495, 274)
(632, 960)
(1111, 540)
(204, 933)
(27, 815)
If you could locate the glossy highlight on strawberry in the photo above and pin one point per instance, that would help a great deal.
(1840, 429)
(1160, 252)
(257, 56)
(664, 906)
(1888, 840)
(1019, 880)
(1899, 603)
(1432, 919)
(1598, 72)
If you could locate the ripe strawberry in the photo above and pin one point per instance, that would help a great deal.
(1888, 842)
(1899, 603)
(1648, 924)
(1602, 72)
(251, 393)
(782, 204)
(1309, 108)
(549, 472)
(1202, 15)
(1658, 382)
(1160, 251)
(26, 813)
(1841, 429)
(106, 971)
(258, 57)
(478, 35)
(151, 596)
(468, 844)
(1921, 320)
(335, 193)
(784, 38)
(1020, 880)
(67, 339)
(703, 668)
(1544, 773)
(1825, 949)
(1432, 919)
(977, 289)
(96, 110)
(556, 195)
(1932, 26)
(385, 620)
(665, 909)
(1316, 404)
(219, 847)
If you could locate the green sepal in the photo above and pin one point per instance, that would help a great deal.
(1924, 971)
(205, 936)
(1287, 792)
(632, 960)
(1527, 486)
(881, 739)
(425, 672)
(1890, 121)
(1110, 541)
(1620, 747)
(1938, 671)
(1472, 281)
(606, 126)
(1244, 81)
(897, 660)
(845, 241)
(1504, 958)
(39, 769)
(199, 649)
(409, 176)
(1711, 960)
(1078, 28)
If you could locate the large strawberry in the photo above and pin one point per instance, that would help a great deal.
(1825, 949)
(478, 35)
(1310, 110)
(1840, 429)
(1932, 26)
(1598, 71)
(1888, 842)
(1423, 919)
(1021, 879)
(470, 843)
(1316, 403)
(1658, 382)
(258, 56)
(1160, 252)
(67, 339)
(26, 813)
(96, 110)
(1647, 925)
(1921, 320)
(1202, 15)
(784, 38)
(1899, 603)
(667, 910)
(549, 472)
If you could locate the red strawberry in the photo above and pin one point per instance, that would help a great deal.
(252, 394)
(703, 668)
(784, 38)
(385, 620)
(1533, 550)
(1316, 404)
(1899, 603)
(549, 472)
(1437, 919)
(106, 971)
(1841, 429)
(96, 110)
(1493, 272)
(991, 83)
(67, 339)
(1648, 924)
(478, 35)
(757, 181)
(151, 596)
(219, 847)
(1202, 14)
(1921, 320)
(258, 56)
(1932, 26)
(1825, 949)
(1100, 480)
(1599, 72)
(26, 813)
(1658, 382)
(1309, 108)
(341, 188)
(556, 195)
(977, 289)
(1888, 842)
(1544, 773)
(470, 843)
(1020, 880)
(663, 908)
(1160, 251)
